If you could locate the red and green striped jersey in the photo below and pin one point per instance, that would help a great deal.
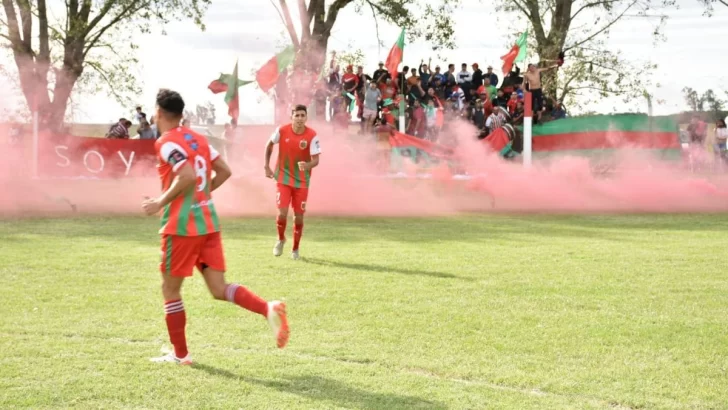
(292, 149)
(192, 213)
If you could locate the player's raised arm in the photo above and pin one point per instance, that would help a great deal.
(220, 168)
(275, 138)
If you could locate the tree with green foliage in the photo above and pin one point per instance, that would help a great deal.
(580, 28)
(694, 101)
(708, 101)
(428, 20)
(354, 57)
(82, 43)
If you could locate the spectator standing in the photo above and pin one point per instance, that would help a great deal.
(145, 131)
(477, 77)
(381, 73)
(371, 102)
(493, 77)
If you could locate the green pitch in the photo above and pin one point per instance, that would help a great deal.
(502, 312)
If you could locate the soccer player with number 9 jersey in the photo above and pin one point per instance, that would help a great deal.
(298, 153)
(190, 169)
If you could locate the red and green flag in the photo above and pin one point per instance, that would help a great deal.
(221, 84)
(267, 76)
(517, 53)
(231, 96)
(395, 56)
(229, 85)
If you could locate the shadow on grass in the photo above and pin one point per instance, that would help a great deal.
(330, 390)
(383, 269)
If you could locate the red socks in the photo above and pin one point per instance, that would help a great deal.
(246, 299)
(281, 224)
(297, 232)
(176, 319)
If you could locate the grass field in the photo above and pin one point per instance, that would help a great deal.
(503, 312)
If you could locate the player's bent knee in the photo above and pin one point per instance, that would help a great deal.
(171, 287)
(215, 281)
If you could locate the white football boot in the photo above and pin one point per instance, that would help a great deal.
(278, 249)
(169, 357)
(278, 322)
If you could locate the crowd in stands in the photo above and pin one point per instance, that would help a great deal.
(433, 97)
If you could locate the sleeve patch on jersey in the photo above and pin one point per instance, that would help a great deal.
(315, 146)
(175, 157)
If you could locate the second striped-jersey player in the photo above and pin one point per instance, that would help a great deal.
(299, 149)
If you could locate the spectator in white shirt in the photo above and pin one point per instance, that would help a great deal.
(139, 115)
(721, 135)
(464, 76)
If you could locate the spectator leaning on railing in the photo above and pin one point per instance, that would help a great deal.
(120, 130)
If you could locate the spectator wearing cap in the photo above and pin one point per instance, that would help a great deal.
(493, 77)
(380, 74)
(477, 77)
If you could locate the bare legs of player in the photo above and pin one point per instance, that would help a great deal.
(281, 221)
(176, 318)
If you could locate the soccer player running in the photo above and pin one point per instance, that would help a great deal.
(298, 153)
(191, 228)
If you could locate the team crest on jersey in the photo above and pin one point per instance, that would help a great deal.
(191, 141)
(303, 144)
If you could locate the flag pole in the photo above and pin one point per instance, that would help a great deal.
(527, 130)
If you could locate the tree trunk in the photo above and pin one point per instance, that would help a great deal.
(548, 54)
(549, 46)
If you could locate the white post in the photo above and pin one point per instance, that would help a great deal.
(401, 113)
(527, 130)
(35, 144)
(527, 141)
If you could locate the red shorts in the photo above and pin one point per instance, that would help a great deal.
(181, 254)
(288, 195)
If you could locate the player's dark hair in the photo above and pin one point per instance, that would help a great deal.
(171, 102)
(299, 107)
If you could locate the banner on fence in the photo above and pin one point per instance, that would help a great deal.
(95, 157)
(421, 152)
